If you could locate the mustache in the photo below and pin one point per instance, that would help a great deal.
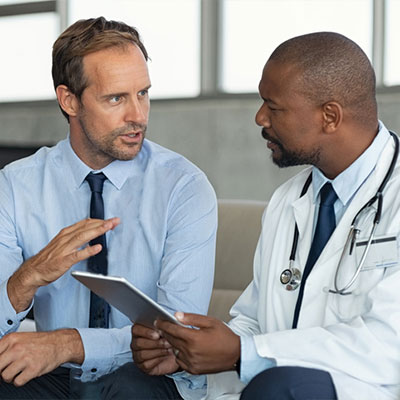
(129, 128)
(266, 136)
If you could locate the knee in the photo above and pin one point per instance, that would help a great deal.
(290, 383)
(269, 384)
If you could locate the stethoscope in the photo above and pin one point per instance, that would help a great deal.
(291, 277)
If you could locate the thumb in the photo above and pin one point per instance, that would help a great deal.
(197, 320)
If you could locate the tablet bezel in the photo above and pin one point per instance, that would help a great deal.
(125, 297)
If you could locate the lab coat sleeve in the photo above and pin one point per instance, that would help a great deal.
(367, 347)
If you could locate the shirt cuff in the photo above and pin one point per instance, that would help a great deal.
(105, 351)
(10, 320)
(251, 364)
(190, 386)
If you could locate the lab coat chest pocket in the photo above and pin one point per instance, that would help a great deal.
(357, 302)
(382, 254)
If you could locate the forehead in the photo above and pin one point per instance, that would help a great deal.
(279, 81)
(116, 66)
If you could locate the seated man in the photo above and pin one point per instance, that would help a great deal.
(159, 228)
(320, 320)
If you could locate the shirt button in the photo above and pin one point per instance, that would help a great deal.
(9, 322)
(93, 370)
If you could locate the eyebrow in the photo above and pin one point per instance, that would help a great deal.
(108, 95)
(267, 100)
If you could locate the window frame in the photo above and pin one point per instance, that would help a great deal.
(210, 54)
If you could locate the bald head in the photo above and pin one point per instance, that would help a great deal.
(332, 68)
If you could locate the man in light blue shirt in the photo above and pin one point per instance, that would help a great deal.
(160, 221)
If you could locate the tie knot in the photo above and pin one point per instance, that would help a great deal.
(96, 181)
(328, 195)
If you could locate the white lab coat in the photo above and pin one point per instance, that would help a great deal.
(355, 338)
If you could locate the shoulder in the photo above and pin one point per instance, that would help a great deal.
(175, 176)
(32, 165)
(168, 160)
(172, 169)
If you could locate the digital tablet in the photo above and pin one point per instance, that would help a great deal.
(122, 295)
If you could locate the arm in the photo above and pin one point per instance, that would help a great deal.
(24, 356)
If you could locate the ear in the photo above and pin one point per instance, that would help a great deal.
(332, 116)
(67, 100)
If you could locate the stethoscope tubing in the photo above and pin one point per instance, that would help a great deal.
(353, 231)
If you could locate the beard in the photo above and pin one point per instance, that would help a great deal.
(106, 147)
(288, 158)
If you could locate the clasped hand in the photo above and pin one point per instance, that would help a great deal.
(210, 347)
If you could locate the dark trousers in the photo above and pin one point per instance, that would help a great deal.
(126, 383)
(294, 383)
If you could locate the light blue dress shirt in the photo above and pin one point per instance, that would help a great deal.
(346, 186)
(165, 244)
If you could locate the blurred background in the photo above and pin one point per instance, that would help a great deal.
(206, 62)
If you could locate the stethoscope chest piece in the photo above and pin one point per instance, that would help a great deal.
(291, 278)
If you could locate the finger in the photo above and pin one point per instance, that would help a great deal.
(145, 355)
(139, 344)
(150, 366)
(24, 377)
(200, 321)
(182, 363)
(93, 229)
(12, 370)
(171, 329)
(143, 331)
(176, 342)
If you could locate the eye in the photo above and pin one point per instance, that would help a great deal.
(273, 109)
(115, 99)
(143, 92)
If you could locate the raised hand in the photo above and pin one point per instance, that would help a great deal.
(55, 259)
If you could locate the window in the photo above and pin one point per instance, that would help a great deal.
(392, 55)
(170, 31)
(25, 70)
(252, 29)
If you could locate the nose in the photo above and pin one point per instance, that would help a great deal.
(262, 116)
(137, 111)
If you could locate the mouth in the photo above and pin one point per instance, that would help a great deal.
(269, 139)
(132, 137)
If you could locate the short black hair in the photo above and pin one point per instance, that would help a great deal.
(333, 67)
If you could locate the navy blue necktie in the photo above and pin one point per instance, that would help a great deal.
(99, 309)
(326, 224)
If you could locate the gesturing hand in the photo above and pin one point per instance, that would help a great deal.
(151, 353)
(213, 347)
(55, 259)
(27, 355)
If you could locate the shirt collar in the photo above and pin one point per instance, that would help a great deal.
(117, 172)
(349, 181)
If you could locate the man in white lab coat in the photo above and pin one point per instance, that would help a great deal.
(335, 333)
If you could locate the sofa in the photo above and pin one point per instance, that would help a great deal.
(239, 226)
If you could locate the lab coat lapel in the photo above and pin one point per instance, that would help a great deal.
(303, 210)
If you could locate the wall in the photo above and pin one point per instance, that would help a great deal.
(219, 135)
